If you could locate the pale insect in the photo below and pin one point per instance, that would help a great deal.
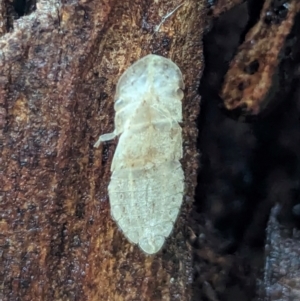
(147, 182)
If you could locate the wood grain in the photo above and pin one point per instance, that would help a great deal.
(58, 69)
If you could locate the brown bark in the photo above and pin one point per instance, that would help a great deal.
(59, 68)
(222, 6)
(253, 71)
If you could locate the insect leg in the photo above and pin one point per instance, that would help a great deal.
(105, 137)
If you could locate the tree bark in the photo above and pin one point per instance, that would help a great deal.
(59, 67)
(252, 79)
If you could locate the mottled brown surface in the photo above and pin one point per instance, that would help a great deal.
(59, 67)
(253, 70)
(222, 6)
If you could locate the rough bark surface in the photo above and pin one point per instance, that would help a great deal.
(58, 69)
(282, 264)
(247, 84)
(222, 6)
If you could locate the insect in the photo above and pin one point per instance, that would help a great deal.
(147, 182)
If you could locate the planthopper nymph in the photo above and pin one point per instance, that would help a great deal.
(147, 182)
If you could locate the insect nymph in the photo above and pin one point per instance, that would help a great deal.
(147, 182)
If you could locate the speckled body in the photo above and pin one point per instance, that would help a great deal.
(147, 182)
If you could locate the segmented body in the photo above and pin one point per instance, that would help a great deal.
(147, 183)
